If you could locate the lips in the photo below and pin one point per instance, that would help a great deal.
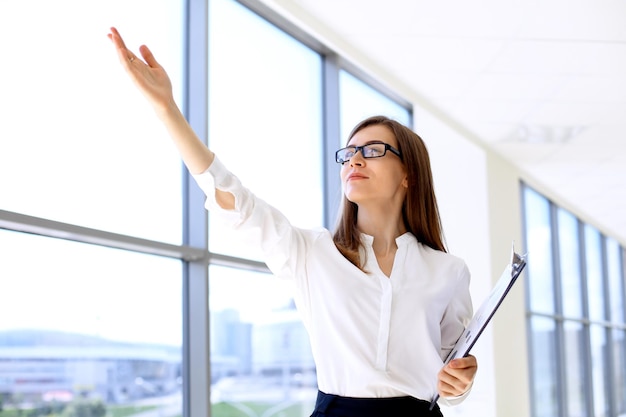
(356, 176)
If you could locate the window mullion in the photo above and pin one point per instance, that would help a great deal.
(330, 102)
(558, 310)
(196, 343)
(587, 328)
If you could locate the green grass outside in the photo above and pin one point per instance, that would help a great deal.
(112, 411)
(10, 413)
(127, 410)
(257, 409)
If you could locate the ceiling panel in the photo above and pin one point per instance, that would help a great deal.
(582, 20)
(498, 86)
(592, 88)
(567, 113)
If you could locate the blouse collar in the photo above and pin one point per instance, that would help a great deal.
(403, 239)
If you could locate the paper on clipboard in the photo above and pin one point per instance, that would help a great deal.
(486, 310)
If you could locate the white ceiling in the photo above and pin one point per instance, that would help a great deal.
(541, 82)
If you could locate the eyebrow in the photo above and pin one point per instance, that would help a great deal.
(371, 142)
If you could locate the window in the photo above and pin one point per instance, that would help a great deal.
(73, 133)
(260, 352)
(615, 274)
(106, 302)
(575, 312)
(87, 326)
(265, 121)
(265, 125)
(571, 284)
(359, 100)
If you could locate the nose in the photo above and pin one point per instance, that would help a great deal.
(357, 159)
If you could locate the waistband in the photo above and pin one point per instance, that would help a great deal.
(330, 404)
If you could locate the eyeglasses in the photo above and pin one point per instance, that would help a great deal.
(371, 150)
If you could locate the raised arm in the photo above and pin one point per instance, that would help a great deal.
(152, 80)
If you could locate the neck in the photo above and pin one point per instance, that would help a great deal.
(383, 226)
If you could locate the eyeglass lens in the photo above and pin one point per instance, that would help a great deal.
(374, 150)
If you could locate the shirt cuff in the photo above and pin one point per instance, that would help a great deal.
(217, 176)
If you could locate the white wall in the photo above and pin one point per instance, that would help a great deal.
(460, 174)
(509, 326)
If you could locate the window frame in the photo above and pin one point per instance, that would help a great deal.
(604, 324)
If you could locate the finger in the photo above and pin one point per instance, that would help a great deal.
(118, 38)
(147, 55)
(125, 56)
(450, 386)
(447, 390)
(446, 386)
(464, 375)
(463, 370)
(444, 391)
(464, 363)
(446, 377)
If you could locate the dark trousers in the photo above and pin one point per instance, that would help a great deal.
(328, 405)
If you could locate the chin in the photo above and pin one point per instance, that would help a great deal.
(355, 198)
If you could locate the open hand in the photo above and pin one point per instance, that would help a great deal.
(457, 376)
(148, 76)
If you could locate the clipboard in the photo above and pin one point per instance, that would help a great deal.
(487, 309)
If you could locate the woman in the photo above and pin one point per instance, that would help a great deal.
(381, 299)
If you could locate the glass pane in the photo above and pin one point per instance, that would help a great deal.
(539, 243)
(82, 146)
(569, 257)
(265, 117)
(574, 368)
(358, 101)
(260, 353)
(619, 370)
(595, 281)
(88, 327)
(616, 280)
(544, 370)
(599, 370)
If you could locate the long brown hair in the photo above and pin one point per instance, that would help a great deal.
(419, 210)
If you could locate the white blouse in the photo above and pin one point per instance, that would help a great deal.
(371, 335)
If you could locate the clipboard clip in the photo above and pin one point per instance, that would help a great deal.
(517, 261)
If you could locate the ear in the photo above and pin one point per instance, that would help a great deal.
(405, 182)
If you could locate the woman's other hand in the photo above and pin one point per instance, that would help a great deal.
(457, 376)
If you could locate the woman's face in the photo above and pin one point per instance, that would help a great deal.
(374, 180)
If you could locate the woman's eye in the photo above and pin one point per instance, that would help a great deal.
(373, 151)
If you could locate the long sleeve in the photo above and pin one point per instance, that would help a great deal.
(284, 246)
(458, 313)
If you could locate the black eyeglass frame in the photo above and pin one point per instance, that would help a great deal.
(388, 147)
